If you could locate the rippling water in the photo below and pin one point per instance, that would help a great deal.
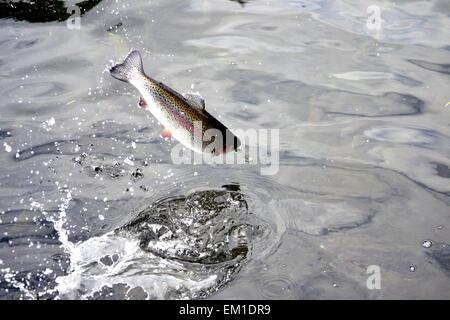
(92, 206)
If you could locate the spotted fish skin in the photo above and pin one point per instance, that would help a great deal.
(186, 119)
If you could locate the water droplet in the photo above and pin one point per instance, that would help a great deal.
(138, 174)
(412, 268)
(128, 161)
(427, 243)
(51, 121)
(8, 148)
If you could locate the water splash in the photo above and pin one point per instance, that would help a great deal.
(176, 248)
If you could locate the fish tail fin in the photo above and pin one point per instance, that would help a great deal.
(130, 68)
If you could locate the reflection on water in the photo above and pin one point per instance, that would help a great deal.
(241, 2)
(92, 207)
(442, 68)
(42, 10)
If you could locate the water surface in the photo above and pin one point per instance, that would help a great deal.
(92, 207)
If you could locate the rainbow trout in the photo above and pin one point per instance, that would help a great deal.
(183, 116)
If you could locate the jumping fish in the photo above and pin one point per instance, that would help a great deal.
(183, 116)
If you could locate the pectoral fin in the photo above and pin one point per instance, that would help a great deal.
(166, 134)
(142, 104)
(195, 100)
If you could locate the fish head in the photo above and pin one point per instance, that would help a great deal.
(228, 143)
(233, 146)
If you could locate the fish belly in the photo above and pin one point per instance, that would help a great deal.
(167, 119)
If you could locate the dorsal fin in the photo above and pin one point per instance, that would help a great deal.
(195, 100)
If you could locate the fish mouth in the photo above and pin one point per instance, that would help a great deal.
(228, 148)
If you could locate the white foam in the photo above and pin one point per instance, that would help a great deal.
(130, 266)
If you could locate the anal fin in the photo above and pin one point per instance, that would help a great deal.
(166, 134)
